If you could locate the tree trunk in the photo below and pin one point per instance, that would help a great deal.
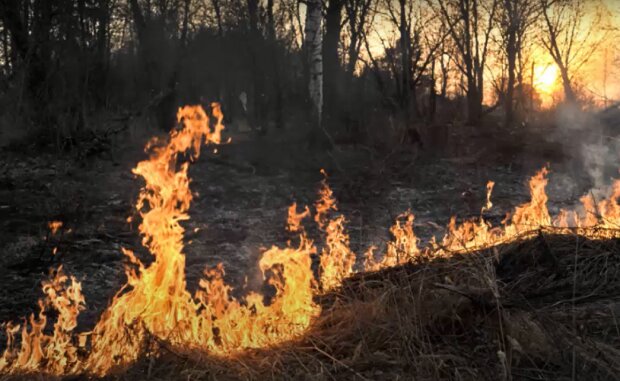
(312, 47)
(512, 57)
(218, 17)
(569, 94)
(474, 102)
(432, 101)
(331, 61)
(185, 27)
(271, 25)
(405, 64)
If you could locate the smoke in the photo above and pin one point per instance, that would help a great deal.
(590, 136)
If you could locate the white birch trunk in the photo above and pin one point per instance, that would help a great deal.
(313, 45)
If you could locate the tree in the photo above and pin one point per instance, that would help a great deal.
(314, 58)
(358, 14)
(331, 61)
(570, 37)
(470, 24)
(419, 39)
(516, 17)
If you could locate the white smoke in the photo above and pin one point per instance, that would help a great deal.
(590, 139)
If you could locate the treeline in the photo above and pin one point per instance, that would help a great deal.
(346, 66)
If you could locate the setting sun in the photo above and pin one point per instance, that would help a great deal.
(545, 82)
(545, 78)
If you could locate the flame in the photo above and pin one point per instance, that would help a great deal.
(325, 202)
(488, 205)
(294, 218)
(475, 234)
(54, 354)
(155, 308)
(155, 303)
(596, 219)
(337, 259)
(403, 248)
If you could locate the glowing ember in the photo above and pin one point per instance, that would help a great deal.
(54, 226)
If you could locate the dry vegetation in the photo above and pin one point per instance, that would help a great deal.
(536, 309)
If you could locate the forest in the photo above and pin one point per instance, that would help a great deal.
(309, 189)
(69, 67)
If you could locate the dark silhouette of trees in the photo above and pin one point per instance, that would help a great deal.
(336, 65)
(566, 29)
(515, 19)
(470, 24)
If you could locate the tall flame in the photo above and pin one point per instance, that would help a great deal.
(155, 303)
(337, 259)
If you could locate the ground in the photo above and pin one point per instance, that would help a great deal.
(241, 196)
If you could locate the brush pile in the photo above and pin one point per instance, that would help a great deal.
(536, 309)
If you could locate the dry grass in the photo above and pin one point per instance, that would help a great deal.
(537, 309)
(545, 308)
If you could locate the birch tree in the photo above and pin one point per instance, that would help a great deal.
(313, 47)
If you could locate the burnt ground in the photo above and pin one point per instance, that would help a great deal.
(241, 198)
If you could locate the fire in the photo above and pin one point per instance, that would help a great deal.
(596, 219)
(402, 249)
(337, 259)
(325, 202)
(155, 302)
(154, 306)
(527, 218)
(52, 353)
(294, 218)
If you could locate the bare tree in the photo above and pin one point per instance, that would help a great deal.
(470, 24)
(570, 37)
(516, 17)
(415, 50)
(359, 14)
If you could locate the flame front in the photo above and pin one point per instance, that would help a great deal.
(155, 306)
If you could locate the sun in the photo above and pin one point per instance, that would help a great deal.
(545, 78)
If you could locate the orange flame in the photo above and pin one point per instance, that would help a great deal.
(294, 218)
(155, 302)
(41, 352)
(403, 248)
(337, 259)
(325, 203)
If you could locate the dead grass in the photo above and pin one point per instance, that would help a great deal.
(538, 309)
(544, 308)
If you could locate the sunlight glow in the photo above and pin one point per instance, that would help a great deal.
(545, 82)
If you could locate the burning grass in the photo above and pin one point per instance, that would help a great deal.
(526, 298)
(545, 307)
